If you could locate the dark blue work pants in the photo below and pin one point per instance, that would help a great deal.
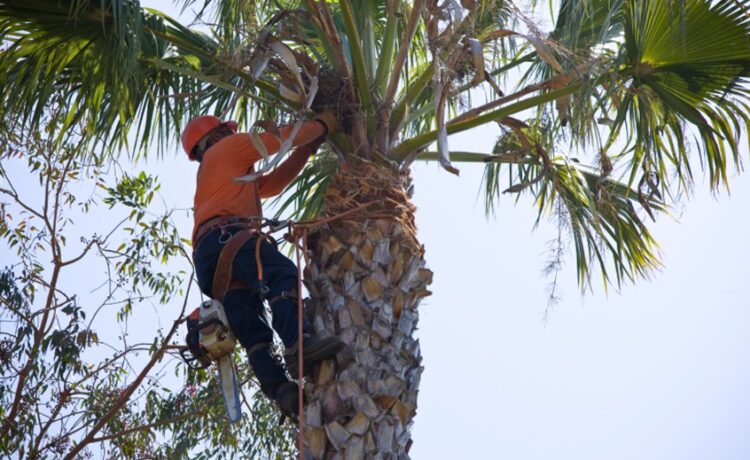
(244, 307)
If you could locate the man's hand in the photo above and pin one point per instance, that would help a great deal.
(329, 120)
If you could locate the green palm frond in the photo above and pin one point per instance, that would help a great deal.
(601, 215)
(236, 19)
(604, 223)
(685, 82)
(304, 198)
(121, 69)
(96, 60)
(675, 91)
(582, 25)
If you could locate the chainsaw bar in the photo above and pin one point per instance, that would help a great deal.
(229, 388)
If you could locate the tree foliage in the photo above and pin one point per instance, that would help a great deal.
(638, 89)
(88, 368)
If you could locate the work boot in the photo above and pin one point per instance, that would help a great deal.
(287, 398)
(314, 350)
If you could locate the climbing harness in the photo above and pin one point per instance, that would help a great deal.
(212, 328)
(210, 338)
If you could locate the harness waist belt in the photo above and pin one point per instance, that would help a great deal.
(225, 221)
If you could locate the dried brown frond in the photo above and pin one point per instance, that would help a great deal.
(334, 95)
(385, 192)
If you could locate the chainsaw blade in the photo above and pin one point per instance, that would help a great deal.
(229, 388)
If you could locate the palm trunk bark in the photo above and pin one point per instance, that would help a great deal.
(366, 275)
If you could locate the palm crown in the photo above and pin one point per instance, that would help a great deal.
(634, 82)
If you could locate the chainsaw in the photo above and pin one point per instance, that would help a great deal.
(210, 339)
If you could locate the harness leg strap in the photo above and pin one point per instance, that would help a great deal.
(223, 274)
(289, 294)
(257, 347)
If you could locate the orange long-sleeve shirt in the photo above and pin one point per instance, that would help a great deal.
(217, 194)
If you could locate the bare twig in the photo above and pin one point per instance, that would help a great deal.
(128, 392)
(196, 413)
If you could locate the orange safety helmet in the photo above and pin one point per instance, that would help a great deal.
(199, 127)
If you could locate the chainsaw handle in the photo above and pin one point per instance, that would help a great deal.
(210, 322)
(191, 360)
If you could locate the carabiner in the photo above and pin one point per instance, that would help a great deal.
(225, 236)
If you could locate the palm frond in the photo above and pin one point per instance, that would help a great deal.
(685, 82)
(99, 62)
(599, 213)
(119, 68)
(583, 25)
(304, 198)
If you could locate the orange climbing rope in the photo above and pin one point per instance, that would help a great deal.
(300, 359)
(298, 231)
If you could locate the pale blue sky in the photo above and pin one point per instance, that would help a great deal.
(657, 371)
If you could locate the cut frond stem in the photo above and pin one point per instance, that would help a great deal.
(359, 66)
(386, 51)
(417, 142)
(412, 92)
(474, 157)
(398, 65)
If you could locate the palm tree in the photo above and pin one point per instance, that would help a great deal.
(643, 92)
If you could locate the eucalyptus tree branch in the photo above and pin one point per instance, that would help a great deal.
(45, 210)
(56, 306)
(23, 375)
(119, 355)
(16, 311)
(13, 194)
(79, 424)
(81, 255)
(193, 414)
(56, 249)
(127, 393)
(63, 399)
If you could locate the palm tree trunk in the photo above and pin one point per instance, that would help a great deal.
(366, 276)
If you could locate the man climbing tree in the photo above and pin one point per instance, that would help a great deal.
(235, 263)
